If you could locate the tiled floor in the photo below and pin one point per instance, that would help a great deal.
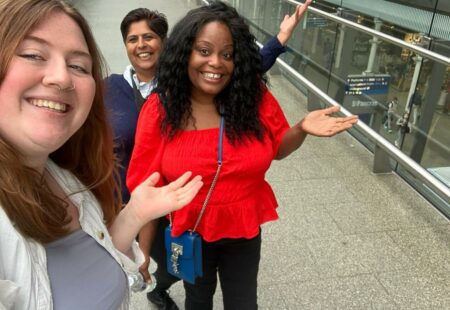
(346, 238)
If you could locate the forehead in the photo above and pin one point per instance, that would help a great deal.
(59, 30)
(216, 31)
(139, 27)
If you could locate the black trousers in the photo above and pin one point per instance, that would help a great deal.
(158, 252)
(237, 263)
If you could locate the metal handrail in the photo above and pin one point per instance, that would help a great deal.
(414, 168)
(409, 164)
(417, 49)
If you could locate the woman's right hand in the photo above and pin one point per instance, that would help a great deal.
(149, 202)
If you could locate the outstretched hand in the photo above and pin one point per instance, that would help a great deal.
(289, 23)
(320, 122)
(151, 202)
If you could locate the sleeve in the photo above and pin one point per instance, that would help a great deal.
(273, 119)
(148, 144)
(270, 52)
(8, 294)
(131, 266)
(11, 254)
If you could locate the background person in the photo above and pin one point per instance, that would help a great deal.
(403, 128)
(391, 112)
(63, 242)
(210, 61)
(144, 33)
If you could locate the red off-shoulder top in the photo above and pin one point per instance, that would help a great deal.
(242, 199)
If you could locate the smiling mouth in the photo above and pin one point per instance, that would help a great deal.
(50, 105)
(145, 55)
(211, 76)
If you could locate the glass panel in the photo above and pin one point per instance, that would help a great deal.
(399, 94)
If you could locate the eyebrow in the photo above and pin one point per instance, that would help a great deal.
(208, 42)
(41, 41)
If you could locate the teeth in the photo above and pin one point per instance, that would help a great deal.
(212, 75)
(60, 107)
(144, 55)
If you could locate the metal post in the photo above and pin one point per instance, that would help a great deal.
(373, 49)
(337, 62)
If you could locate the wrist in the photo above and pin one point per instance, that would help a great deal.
(282, 37)
(132, 215)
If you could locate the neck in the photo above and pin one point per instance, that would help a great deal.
(202, 100)
(145, 76)
(36, 163)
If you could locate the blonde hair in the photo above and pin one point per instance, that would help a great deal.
(88, 154)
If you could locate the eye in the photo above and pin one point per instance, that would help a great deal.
(148, 37)
(204, 51)
(132, 40)
(79, 68)
(228, 55)
(32, 57)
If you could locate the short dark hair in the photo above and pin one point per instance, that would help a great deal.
(156, 21)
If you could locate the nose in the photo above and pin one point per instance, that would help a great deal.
(141, 42)
(215, 60)
(58, 75)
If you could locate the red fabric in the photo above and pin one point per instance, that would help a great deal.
(242, 200)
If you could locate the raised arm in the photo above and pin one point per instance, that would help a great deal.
(275, 46)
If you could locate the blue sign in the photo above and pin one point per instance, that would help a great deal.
(313, 22)
(377, 84)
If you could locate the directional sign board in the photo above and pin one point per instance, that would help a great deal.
(367, 84)
(366, 93)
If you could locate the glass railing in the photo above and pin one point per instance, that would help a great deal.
(400, 92)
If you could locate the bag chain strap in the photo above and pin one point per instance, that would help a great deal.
(216, 176)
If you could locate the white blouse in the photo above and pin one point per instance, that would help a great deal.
(24, 282)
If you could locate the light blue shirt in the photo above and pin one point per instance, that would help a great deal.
(144, 87)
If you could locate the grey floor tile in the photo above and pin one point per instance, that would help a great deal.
(359, 292)
(314, 191)
(358, 254)
(428, 248)
(367, 217)
(418, 290)
(285, 261)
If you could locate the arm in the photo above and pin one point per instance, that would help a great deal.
(275, 46)
(289, 23)
(318, 123)
(148, 203)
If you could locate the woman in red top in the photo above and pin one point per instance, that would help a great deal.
(211, 64)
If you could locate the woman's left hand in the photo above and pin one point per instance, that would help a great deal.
(320, 122)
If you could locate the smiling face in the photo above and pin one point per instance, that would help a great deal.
(211, 62)
(143, 49)
(39, 108)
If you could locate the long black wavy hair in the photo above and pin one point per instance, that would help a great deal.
(240, 98)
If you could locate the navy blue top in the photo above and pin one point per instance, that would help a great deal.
(124, 114)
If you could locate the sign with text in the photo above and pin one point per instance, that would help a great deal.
(366, 94)
(376, 84)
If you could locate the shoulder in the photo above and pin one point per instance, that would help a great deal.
(117, 86)
(153, 106)
(115, 79)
